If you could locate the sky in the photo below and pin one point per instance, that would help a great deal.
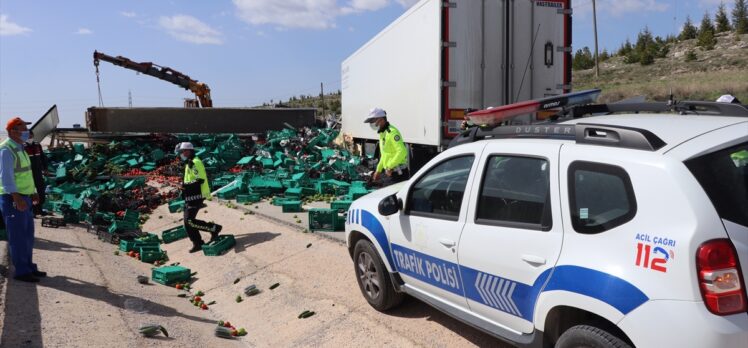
(247, 51)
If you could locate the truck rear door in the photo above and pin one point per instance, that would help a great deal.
(504, 51)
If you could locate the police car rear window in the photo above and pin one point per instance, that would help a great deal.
(724, 177)
(600, 196)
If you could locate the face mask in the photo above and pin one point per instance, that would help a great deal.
(24, 136)
(374, 126)
(183, 157)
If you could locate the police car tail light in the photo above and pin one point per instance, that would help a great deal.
(719, 277)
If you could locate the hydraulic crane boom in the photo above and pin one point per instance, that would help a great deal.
(201, 90)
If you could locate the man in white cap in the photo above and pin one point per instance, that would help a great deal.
(393, 160)
(195, 191)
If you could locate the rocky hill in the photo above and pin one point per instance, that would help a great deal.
(712, 73)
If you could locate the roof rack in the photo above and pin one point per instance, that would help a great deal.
(682, 107)
(582, 133)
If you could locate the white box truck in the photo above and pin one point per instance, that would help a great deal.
(442, 57)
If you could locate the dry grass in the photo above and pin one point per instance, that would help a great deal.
(720, 71)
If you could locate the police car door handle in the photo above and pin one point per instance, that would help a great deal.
(534, 260)
(448, 243)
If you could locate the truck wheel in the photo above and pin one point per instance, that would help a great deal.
(372, 277)
(585, 336)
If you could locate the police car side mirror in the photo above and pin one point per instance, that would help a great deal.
(390, 205)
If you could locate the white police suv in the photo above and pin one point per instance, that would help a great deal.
(608, 231)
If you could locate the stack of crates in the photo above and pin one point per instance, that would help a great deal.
(219, 246)
(174, 234)
(169, 275)
(326, 220)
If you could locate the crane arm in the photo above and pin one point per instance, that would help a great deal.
(201, 90)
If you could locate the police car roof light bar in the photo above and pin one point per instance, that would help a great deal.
(494, 116)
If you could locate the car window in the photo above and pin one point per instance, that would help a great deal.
(724, 177)
(515, 193)
(439, 192)
(600, 196)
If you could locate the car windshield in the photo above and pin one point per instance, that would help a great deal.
(724, 177)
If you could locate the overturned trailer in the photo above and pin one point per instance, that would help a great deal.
(194, 120)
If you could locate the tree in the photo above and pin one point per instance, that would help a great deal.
(626, 47)
(706, 39)
(690, 56)
(604, 55)
(740, 17)
(689, 30)
(706, 23)
(583, 59)
(720, 19)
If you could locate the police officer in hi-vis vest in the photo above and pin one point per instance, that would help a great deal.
(17, 195)
(393, 160)
(195, 191)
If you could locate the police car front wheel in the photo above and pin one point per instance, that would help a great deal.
(371, 274)
(585, 336)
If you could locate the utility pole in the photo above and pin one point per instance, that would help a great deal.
(594, 23)
(322, 95)
(129, 98)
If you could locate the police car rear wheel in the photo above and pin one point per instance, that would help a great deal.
(372, 278)
(585, 336)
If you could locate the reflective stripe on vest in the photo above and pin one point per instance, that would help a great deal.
(21, 168)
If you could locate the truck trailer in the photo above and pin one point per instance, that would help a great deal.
(441, 58)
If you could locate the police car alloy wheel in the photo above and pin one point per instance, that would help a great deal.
(372, 278)
(589, 336)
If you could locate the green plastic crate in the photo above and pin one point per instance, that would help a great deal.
(278, 201)
(150, 237)
(248, 198)
(176, 205)
(291, 206)
(340, 205)
(168, 275)
(174, 234)
(326, 220)
(222, 244)
(129, 245)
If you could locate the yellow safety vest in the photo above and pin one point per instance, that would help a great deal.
(21, 169)
(392, 148)
(197, 171)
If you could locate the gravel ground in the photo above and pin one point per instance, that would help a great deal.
(92, 299)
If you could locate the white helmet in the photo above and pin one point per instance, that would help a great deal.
(374, 114)
(184, 146)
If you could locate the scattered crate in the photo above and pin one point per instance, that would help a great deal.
(174, 234)
(104, 235)
(291, 206)
(248, 198)
(148, 238)
(341, 205)
(326, 220)
(53, 222)
(176, 205)
(168, 275)
(149, 256)
(222, 244)
(129, 245)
